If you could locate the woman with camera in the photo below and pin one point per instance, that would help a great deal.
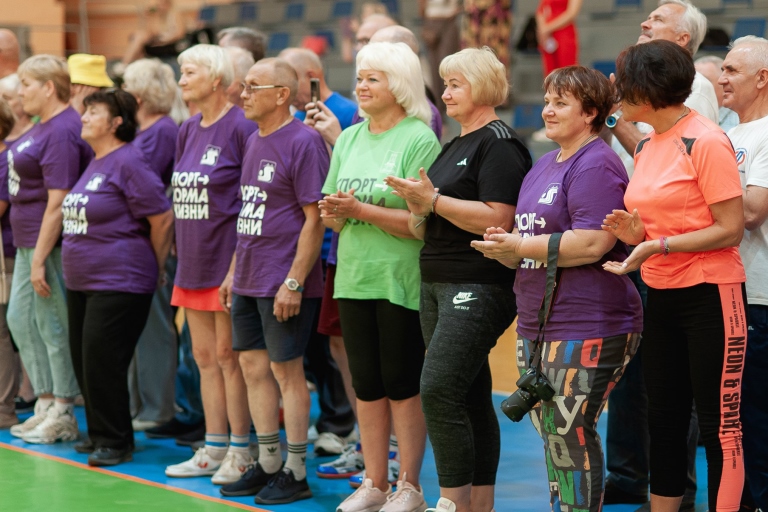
(687, 221)
(594, 321)
(467, 301)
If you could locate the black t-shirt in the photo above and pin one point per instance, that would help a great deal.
(486, 165)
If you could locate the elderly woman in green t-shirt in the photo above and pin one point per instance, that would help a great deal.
(377, 277)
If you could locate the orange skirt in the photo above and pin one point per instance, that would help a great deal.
(206, 299)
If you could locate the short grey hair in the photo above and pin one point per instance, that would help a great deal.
(403, 70)
(153, 82)
(692, 21)
(759, 58)
(710, 59)
(242, 60)
(212, 58)
(248, 39)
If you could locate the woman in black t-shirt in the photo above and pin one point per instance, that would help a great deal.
(466, 300)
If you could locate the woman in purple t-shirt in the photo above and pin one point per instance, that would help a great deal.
(43, 164)
(596, 317)
(206, 181)
(117, 233)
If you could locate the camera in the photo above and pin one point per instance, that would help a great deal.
(532, 386)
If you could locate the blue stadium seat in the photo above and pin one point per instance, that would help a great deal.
(328, 36)
(733, 3)
(392, 6)
(294, 11)
(606, 67)
(278, 41)
(749, 27)
(638, 4)
(248, 11)
(342, 9)
(208, 14)
(527, 118)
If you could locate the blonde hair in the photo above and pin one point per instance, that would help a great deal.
(403, 70)
(212, 58)
(48, 67)
(486, 75)
(153, 82)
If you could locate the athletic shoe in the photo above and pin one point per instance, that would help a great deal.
(393, 470)
(142, 425)
(57, 426)
(329, 443)
(201, 464)
(173, 428)
(22, 406)
(32, 422)
(443, 505)
(406, 498)
(233, 466)
(366, 498)
(85, 446)
(198, 434)
(252, 481)
(350, 463)
(283, 488)
(110, 456)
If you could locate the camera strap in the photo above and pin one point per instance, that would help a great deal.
(545, 311)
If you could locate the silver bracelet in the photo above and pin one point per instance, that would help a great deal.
(421, 221)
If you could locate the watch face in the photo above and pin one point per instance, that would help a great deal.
(611, 121)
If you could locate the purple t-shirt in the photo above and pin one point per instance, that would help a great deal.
(206, 179)
(106, 243)
(575, 194)
(5, 223)
(50, 156)
(282, 172)
(158, 145)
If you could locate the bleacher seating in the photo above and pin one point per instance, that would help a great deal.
(278, 41)
(606, 67)
(749, 27)
(294, 11)
(527, 119)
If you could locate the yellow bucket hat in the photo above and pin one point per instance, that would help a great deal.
(88, 69)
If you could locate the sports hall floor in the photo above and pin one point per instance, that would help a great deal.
(54, 478)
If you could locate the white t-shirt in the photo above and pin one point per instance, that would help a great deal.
(702, 100)
(750, 140)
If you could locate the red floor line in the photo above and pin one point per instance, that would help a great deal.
(130, 478)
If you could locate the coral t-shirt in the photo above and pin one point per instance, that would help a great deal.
(678, 174)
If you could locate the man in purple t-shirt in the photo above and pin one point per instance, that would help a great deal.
(275, 284)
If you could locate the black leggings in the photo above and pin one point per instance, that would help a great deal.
(384, 347)
(104, 328)
(461, 324)
(694, 343)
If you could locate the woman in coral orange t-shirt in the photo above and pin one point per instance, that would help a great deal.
(687, 221)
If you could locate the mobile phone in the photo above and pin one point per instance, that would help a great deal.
(314, 87)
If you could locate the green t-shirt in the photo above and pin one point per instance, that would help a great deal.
(372, 264)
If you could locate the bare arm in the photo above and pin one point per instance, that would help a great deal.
(50, 229)
(225, 289)
(344, 205)
(755, 206)
(160, 235)
(3, 207)
(288, 303)
(627, 134)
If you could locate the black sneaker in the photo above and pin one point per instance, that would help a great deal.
(22, 406)
(190, 437)
(110, 456)
(283, 488)
(85, 446)
(173, 428)
(252, 481)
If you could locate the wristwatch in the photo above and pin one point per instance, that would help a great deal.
(612, 119)
(293, 285)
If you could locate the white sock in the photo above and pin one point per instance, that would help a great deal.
(216, 445)
(239, 443)
(44, 404)
(64, 407)
(270, 457)
(297, 460)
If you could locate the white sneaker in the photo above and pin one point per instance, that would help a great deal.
(142, 425)
(407, 498)
(312, 434)
(366, 498)
(201, 464)
(443, 505)
(57, 426)
(329, 443)
(393, 471)
(233, 466)
(33, 421)
(349, 463)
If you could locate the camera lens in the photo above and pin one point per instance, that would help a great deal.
(518, 404)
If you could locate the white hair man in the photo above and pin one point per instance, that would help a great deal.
(710, 66)
(745, 91)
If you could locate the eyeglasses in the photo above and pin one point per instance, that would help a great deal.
(250, 89)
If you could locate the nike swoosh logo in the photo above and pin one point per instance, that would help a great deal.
(462, 301)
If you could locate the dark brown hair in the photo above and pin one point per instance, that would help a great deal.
(659, 73)
(7, 119)
(589, 86)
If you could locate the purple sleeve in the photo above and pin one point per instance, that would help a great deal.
(144, 191)
(437, 121)
(61, 164)
(4, 177)
(181, 139)
(592, 194)
(311, 170)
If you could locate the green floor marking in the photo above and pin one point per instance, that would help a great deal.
(35, 484)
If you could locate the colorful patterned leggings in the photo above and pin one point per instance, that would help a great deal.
(583, 372)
